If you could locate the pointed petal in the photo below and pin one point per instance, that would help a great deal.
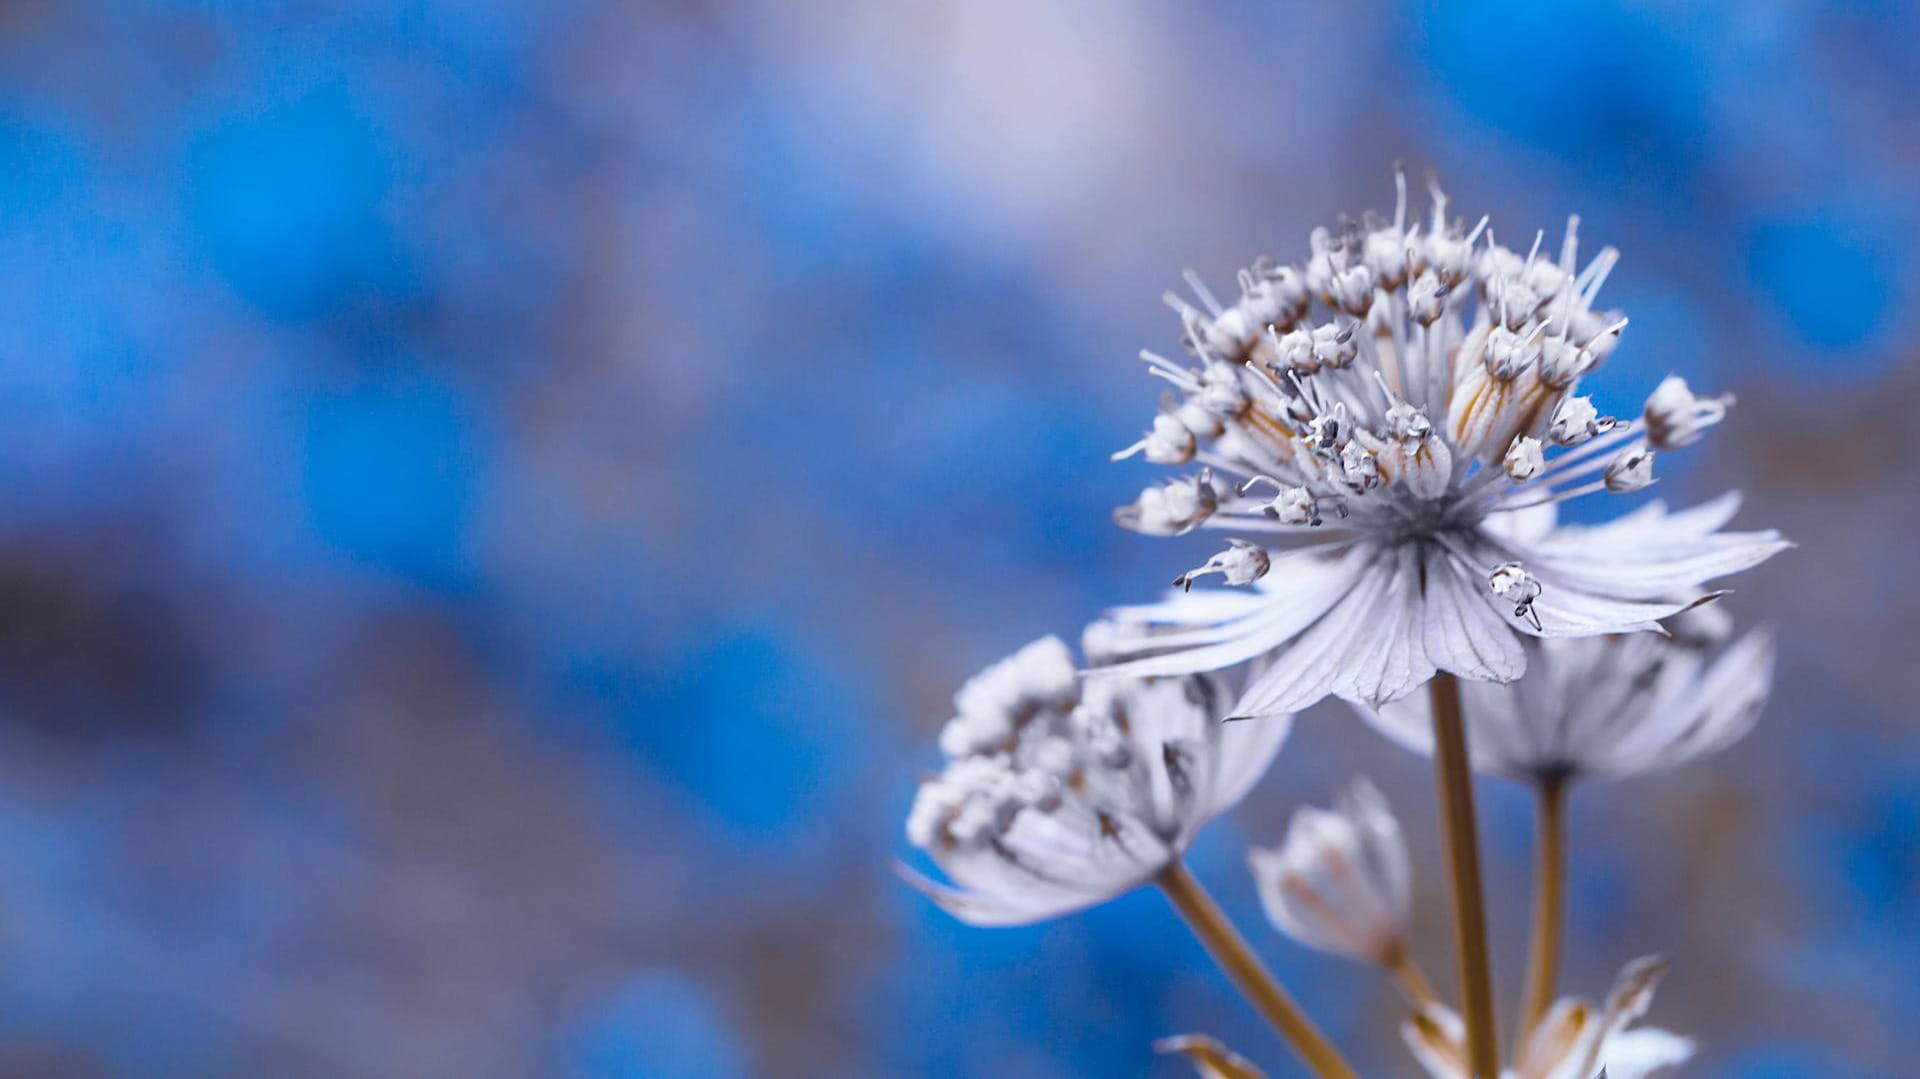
(1641, 572)
(1308, 668)
(1645, 1053)
(1396, 661)
(1311, 587)
(988, 911)
(1649, 553)
(1705, 713)
(1525, 525)
(1436, 1037)
(1461, 627)
(1247, 748)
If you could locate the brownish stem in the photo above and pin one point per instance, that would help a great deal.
(1453, 776)
(1255, 982)
(1549, 901)
(1411, 979)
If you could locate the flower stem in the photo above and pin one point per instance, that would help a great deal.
(1549, 900)
(1255, 982)
(1453, 775)
(1411, 979)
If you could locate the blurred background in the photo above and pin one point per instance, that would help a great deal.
(498, 499)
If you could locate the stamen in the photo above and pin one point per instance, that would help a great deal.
(1571, 244)
(1241, 563)
(1200, 289)
(1511, 581)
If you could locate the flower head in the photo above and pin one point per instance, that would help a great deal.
(1341, 882)
(1397, 420)
(1574, 1040)
(1058, 795)
(1608, 707)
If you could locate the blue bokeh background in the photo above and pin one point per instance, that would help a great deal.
(498, 497)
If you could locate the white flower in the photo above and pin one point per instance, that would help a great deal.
(1608, 707)
(1059, 795)
(1574, 1040)
(1409, 404)
(1341, 882)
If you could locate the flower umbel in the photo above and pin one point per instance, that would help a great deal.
(1609, 707)
(1399, 417)
(1059, 795)
(1341, 882)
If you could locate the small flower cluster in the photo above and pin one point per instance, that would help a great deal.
(1403, 413)
(1059, 794)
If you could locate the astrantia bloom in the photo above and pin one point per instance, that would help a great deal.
(1341, 882)
(1058, 795)
(1608, 707)
(1573, 1041)
(1407, 408)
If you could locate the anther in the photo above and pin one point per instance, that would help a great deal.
(1524, 458)
(1631, 470)
(1511, 582)
(1241, 563)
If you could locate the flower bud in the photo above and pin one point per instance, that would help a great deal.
(1675, 417)
(1631, 470)
(1340, 883)
(1576, 421)
(1524, 459)
(1170, 442)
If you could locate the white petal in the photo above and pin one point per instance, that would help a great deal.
(1307, 669)
(1310, 588)
(1649, 553)
(1462, 628)
(992, 910)
(1247, 748)
(1386, 848)
(1503, 735)
(1437, 1038)
(1044, 866)
(1734, 688)
(1651, 571)
(1407, 722)
(1525, 525)
(1566, 610)
(1395, 661)
(1200, 607)
(1645, 1053)
(1652, 524)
